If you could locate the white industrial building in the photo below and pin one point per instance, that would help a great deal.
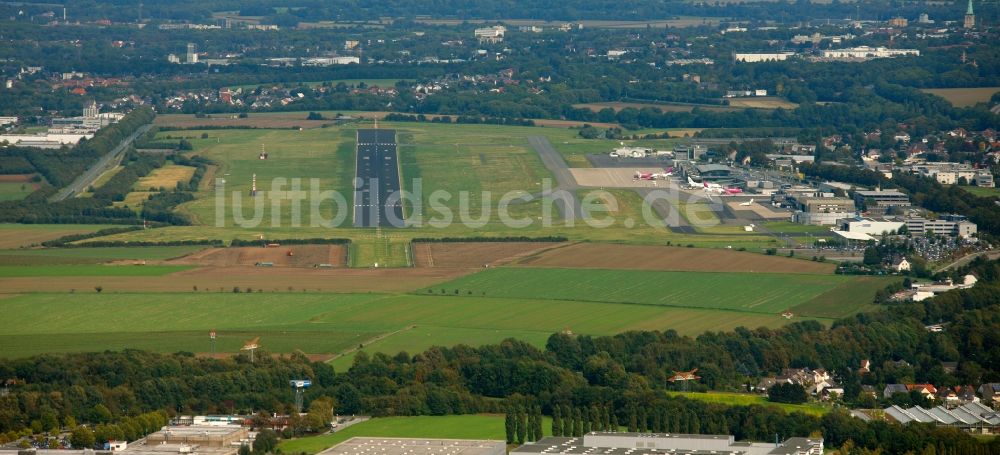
(44, 140)
(328, 61)
(761, 57)
(491, 35)
(973, 417)
(869, 226)
(952, 225)
(660, 443)
(866, 52)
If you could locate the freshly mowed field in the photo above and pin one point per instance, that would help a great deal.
(321, 323)
(19, 271)
(763, 102)
(165, 177)
(259, 279)
(849, 297)
(18, 235)
(760, 293)
(473, 426)
(964, 97)
(742, 399)
(45, 256)
(14, 191)
(673, 258)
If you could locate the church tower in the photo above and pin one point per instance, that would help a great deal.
(970, 17)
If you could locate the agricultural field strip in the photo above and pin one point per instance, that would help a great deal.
(760, 292)
(61, 313)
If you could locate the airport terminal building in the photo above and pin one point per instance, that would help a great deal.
(603, 443)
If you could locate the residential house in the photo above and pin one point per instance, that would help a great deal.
(901, 265)
(892, 389)
(927, 390)
(990, 392)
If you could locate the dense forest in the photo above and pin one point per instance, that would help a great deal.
(624, 374)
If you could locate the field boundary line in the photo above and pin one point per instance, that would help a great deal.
(602, 302)
(369, 341)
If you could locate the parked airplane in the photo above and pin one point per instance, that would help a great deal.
(706, 185)
(644, 176)
(747, 203)
(668, 172)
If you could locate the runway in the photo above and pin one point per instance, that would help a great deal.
(376, 198)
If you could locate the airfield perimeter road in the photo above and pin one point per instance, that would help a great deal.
(376, 178)
(93, 172)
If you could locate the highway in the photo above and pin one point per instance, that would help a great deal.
(106, 162)
(376, 179)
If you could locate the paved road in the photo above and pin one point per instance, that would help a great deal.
(376, 179)
(94, 171)
(990, 255)
(554, 162)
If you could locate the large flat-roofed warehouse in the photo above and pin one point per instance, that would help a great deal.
(602, 443)
(407, 446)
(201, 435)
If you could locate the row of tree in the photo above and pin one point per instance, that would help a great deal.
(523, 425)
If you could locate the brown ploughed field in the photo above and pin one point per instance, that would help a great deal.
(301, 256)
(473, 254)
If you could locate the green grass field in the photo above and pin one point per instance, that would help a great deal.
(849, 297)
(51, 256)
(453, 158)
(13, 271)
(13, 191)
(474, 426)
(788, 227)
(323, 154)
(761, 293)
(742, 399)
(982, 191)
(325, 323)
(22, 235)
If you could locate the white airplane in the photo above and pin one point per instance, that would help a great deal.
(707, 186)
(747, 203)
(668, 172)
